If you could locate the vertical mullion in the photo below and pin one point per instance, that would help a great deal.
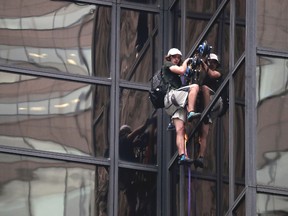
(232, 109)
(250, 107)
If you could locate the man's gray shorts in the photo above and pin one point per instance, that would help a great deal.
(175, 104)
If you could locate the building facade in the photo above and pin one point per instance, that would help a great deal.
(79, 136)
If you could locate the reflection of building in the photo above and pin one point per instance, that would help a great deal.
(72, 73)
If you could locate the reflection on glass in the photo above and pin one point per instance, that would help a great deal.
(53, 115)
(139, 43)
(239, 143)
(272, 121)
(55, 36)
(271, 205)
(204, 197)
(240, 209)
(137, 193)
(33, 186)
(272, 18)
(239, 123)
(138, 128)
(143, 1)
(225, 201)
(240, 9)
(239, 48)
(204, 6)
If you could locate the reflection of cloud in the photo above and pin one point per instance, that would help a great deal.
(67, 103)
(67, 15)
(50, 183)
(51, 146)
(275, 172)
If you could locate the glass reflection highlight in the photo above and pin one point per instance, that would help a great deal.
(138, 128)
(272, 121)
(53, 115)
(55, 36)
(31, 186)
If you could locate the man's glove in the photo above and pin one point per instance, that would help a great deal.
(188, 72)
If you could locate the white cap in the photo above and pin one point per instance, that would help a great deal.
(213, 56)
(174, 51)
(124, 129)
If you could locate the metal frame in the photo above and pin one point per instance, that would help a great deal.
(164, 161)
(250, 111)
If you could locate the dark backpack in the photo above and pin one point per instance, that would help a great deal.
(159, 88)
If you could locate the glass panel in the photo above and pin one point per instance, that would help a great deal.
(240, 209)
(239, 48)
(240, 7)
(138, 128)
(137, 193)
(225, 201)
(211, 142)
(202, 197)
(143, 1)
(174, 190)
(272, 19)
(240, 28)
(139, 43)
(201, 6)
(33, 186)
(271, 205)
(239, 126)
(272, 121)
(53, 115)
(193, 30)
(176, 23)
(55, 36)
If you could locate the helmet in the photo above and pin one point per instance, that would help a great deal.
(213, 56)
(174, 51)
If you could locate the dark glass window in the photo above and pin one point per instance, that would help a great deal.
(239, 127)
(205, 6)
(33, 186)
(272, 18)
(53, 115)
(138, 128)
(200, 198)
(139, 44)
(272, 121)
(240, 208)
(56, 36)
(137, 193)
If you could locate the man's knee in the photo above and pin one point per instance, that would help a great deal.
(194, 88)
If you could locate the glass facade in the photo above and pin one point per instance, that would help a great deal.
(271, 102)
(79, 136)
(35, 186)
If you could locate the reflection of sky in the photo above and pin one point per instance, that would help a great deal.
(272, 76)
(275, 172)
(63, 17)
(75, 58)
(271, 205)
(69, 103)
(41, 145)
(50, 57)
(49, 190)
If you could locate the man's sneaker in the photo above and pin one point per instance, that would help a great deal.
(192, 115)
(182, 159)
(199, 162)
(207, 119)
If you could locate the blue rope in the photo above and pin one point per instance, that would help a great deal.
(189, 190)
